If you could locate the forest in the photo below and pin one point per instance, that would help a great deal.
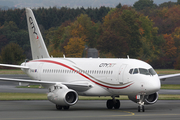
(144, 31)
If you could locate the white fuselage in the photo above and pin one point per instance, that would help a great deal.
(108, 77)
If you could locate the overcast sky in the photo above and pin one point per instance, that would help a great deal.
(70, 3)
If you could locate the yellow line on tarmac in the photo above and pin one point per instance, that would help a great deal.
(129, 113)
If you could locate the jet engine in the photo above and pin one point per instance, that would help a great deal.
(148, 99)
(63, 96)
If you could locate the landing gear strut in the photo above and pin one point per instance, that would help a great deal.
(141, 103)
(113, 103)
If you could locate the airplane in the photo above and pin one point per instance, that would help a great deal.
(67, 78)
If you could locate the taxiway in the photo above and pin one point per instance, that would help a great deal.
(88, 110)
(84, 109)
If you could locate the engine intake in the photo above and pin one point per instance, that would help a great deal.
(151, 99)
(63, 97)
(148, 99)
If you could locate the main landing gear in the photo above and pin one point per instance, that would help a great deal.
(113, 103)
(58, 107)
(141, 103)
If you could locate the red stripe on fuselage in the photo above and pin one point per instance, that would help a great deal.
(58, 63)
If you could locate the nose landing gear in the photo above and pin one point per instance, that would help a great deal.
(141, 103)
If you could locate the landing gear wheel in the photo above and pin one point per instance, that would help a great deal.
(117, 104)
(143, 110)
(66, 107)
(58, 107)
(139, 109)
(109, 104)
(141, 102)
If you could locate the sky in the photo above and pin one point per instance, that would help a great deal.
(70, 3)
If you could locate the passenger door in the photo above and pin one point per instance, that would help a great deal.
(39, 71)
(121, 73)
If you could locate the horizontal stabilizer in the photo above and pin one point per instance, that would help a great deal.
(14, 66)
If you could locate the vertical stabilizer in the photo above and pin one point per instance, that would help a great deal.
(38, 47)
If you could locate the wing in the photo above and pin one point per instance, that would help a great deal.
(14, 66)
(77, 86)
(168, 76)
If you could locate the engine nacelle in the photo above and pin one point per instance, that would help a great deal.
(148, 99)
(63, 96)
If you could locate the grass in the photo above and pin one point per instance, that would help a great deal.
(31, 86)
(169, 97)
(167, 71)
(11, 71)
(171, 87)
(22, 96)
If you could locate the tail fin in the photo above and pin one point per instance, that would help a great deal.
(38, 47)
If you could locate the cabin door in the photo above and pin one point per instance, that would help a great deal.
(40, 71)
(121, 73)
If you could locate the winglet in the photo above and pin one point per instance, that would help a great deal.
(38, 47)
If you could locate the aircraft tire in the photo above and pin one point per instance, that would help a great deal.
(143, 110)
(139, 109)
(109, 104)
(58, 107)
(117, 104)
(66, 107)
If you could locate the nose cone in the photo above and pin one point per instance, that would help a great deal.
(153, 85)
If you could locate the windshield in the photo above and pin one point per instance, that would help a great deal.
(152, 71)
(143, 71)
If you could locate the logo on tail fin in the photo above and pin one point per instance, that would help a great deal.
(33, 27)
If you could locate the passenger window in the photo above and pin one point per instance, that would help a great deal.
(130, 71)
(135, 71)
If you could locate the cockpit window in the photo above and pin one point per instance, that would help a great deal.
(135, 71)
(144, 71)
(130, 71)
(152, 71)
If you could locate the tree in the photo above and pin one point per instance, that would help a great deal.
(12, 54)
(169, 51)
(167, 4)
(75, 47)
(141, 4)
(176, 37)
(123, 24)
(111, 43)
(119, 5)
(166, 19)
(178, 1)
(169, 48)
(85, 28)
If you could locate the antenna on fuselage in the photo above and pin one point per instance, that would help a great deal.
(128, 56)
(64, 56)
